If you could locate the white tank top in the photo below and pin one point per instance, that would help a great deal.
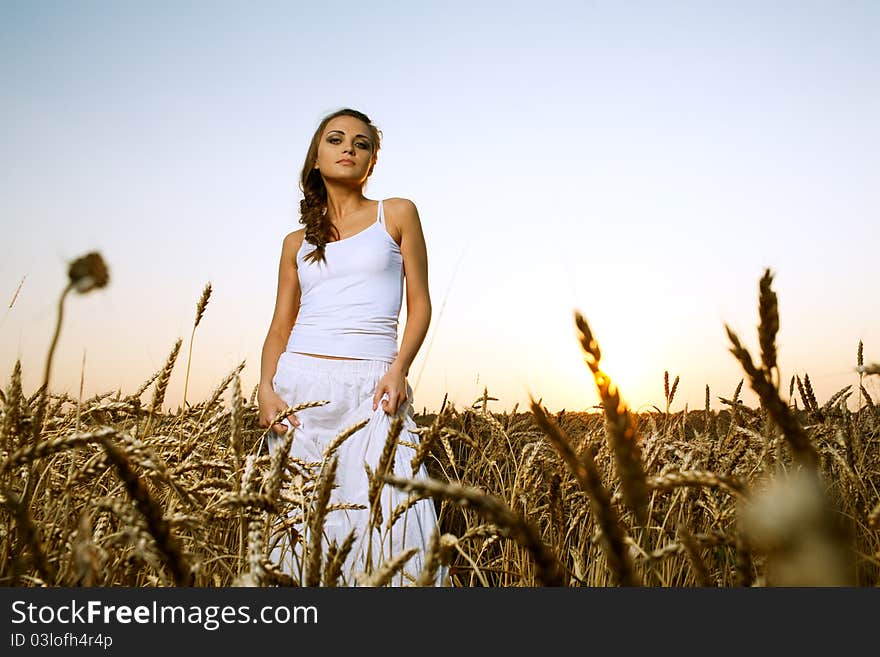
(350, 304)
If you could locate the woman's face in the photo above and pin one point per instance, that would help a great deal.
(346, 151)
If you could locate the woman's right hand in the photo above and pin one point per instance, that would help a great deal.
(270, 405)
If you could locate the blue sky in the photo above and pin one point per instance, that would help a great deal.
(640, 162)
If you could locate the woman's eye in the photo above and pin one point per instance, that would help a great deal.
(363, 145)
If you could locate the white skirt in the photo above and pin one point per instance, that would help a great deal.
(349, 386)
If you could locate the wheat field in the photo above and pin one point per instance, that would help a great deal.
(116, 491)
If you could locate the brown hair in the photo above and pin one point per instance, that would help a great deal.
(313, 206)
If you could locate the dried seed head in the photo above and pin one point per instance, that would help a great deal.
(88, 273)
(737, 391)
(592, 353)
(768, 311)
(672, 391)
(448, 543)
(203, 303)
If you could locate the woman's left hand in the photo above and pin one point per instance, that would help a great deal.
(393, 382)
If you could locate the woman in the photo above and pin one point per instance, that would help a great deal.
(333, 337)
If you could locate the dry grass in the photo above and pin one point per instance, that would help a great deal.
(112, 491)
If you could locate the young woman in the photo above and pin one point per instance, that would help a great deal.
(333, 337)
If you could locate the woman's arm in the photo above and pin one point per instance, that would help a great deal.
(415, 266)
(286, 308)
(418, 300)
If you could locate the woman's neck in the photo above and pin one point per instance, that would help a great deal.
(342, 201)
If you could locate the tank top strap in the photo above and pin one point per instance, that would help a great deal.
(380, 216)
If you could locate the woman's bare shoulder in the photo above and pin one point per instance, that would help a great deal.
(403, 220)
(295, 238)
(400, 215)
(403, 212)
(399, 204)
(292, 243)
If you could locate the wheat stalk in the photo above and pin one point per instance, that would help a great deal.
(316, 522)
(336, 560)
(156, 523)
(779, 410)
(586, 474)
(620, 427)
(509, 523)
(388, 569)
(200, 310)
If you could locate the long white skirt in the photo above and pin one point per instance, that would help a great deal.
(349, 386)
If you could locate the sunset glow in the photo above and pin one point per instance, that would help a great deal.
(639, 165)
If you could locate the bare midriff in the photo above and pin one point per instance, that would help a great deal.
(322, 356)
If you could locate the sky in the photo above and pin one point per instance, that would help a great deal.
(641, 163)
